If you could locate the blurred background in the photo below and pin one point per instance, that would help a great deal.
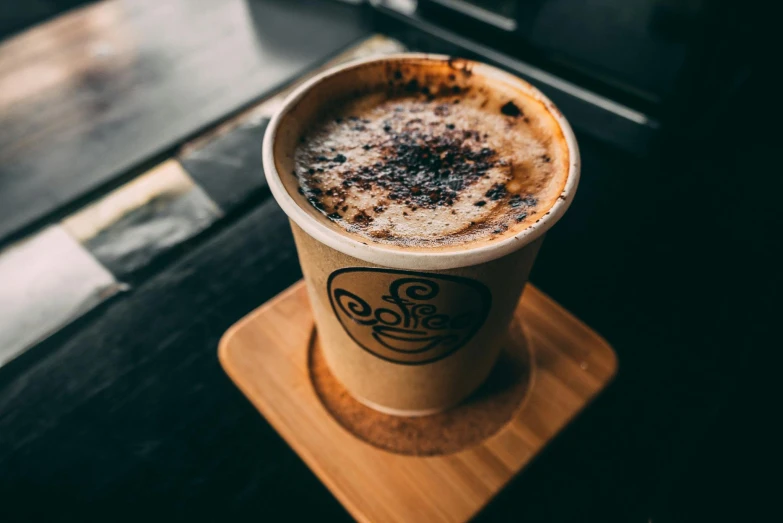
(136, 227)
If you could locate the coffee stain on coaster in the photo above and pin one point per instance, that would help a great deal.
(487, 411)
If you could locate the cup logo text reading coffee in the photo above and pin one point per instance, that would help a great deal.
(405, 317)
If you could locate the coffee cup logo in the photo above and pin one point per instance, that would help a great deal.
(407, 317)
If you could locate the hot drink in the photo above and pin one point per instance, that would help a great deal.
(433, 160)
(419, 189)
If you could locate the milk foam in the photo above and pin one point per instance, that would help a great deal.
(424, 170)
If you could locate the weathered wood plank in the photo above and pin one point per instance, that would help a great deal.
(94, 93)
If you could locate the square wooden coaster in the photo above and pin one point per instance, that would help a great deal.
(267, 355)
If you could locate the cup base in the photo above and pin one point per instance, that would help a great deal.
(399, 412)
(429, 432)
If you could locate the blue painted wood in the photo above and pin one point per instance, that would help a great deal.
(229, 167)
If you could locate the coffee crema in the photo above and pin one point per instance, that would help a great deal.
(436, 160)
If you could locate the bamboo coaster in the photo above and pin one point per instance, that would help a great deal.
(484, 414)
(438, 468)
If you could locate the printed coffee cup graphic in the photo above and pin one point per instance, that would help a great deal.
(406, 317)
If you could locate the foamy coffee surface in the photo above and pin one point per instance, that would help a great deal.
(433, 165)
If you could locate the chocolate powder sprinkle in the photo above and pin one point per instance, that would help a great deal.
(518, 200)
(441, 110)
(422, 169)
(511, 109)
(496, 192)
(362, 217)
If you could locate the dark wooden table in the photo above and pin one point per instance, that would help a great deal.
(125, 414)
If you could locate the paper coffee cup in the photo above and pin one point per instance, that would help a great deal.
(406, 331)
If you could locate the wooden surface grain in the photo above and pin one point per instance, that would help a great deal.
(266, 354)
(91, 425)
(87, 97)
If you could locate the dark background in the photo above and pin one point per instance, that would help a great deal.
(669, 251)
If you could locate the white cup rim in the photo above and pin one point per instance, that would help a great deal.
(387, 256)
